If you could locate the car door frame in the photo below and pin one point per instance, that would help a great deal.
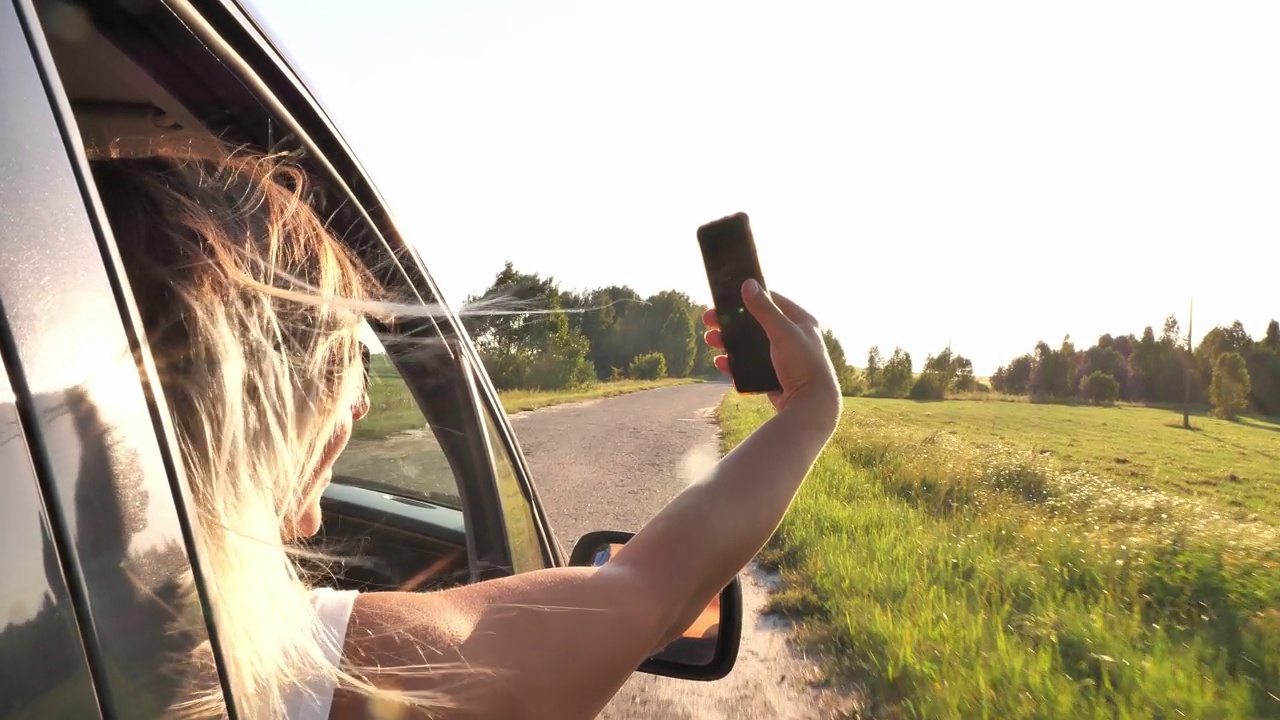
(51, 162)
(97, 240)
(283, 112)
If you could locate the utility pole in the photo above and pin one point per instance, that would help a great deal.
(1186, 397)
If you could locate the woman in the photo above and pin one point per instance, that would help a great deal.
(251, 310)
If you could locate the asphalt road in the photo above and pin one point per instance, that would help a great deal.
(611, 465)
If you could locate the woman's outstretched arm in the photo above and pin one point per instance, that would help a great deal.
(559, 643)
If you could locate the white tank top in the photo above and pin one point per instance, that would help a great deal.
(313, 701)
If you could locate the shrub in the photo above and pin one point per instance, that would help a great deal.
(558, 372)
(1229, 391)
(929, 386)
(851, 384)
(1100, 388)
(649, 366)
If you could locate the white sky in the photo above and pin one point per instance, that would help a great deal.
(989, 173)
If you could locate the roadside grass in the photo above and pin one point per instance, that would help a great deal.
(939, 558)
(523, 400)
(392, 409)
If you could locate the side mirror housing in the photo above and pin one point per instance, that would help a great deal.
(708, 650)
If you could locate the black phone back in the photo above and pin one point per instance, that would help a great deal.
(729, 253)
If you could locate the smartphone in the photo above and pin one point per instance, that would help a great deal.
(729, 253)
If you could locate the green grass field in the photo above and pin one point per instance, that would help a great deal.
(1014, 560)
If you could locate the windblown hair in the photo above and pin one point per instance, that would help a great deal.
(247, 302)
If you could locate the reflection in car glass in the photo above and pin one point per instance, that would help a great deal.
(392, 448)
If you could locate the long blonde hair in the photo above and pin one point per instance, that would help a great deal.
(246, 299)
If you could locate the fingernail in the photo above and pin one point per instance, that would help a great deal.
(753, 287)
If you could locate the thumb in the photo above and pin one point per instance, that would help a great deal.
(764, 310)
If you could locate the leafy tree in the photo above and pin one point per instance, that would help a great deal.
(1229, 391)
(1100, 387)
(1264, 379)
(1108, 361)
(1158, 365)
(650, 366)
(562, 361)
(1260, 357)
(897, 373)
(523, 299)
(850, 384)
(1237, 337)
(531, 344)
(667, 322)
(1272, 339)
(952, 371)
(929, 386)
(596, 317)
(943, 365)
(1104, 359)
(703, 355)
(1015, 378)
(677, 344)
(1051, 375)
(965, 380)
(874, 365)
(600, 318)
(615, 323)
(1171, 334)
(1148, 337)
(834, 349)
(1221, 340)
(1124, 345)
(670, 332)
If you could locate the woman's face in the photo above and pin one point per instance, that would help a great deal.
(307, 522)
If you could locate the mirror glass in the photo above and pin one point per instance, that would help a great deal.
(697, 645)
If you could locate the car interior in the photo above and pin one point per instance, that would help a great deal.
(134, 84)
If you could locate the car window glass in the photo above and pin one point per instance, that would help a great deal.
(43, 669)
(517, 512)
(393, 447)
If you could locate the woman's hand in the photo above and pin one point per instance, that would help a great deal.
(799, 355)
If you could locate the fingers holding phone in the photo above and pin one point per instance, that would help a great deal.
(797, 352)
(771, 344)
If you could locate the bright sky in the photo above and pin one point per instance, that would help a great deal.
(989, 173)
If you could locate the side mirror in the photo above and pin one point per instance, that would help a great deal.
(709, 648)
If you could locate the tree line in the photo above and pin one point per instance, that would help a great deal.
(895, 376)
(545, 337)
(1228, 369)
(549, 338)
